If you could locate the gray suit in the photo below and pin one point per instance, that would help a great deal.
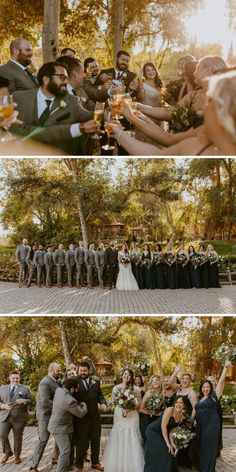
(79, 260)
(89, 259)
(18, 78)
(61, 423)
(56, 130)
(39, 262)
(100, 265)
(48, 261)
(44, 401)
(31, 265)
(21, 254)
(70, 265)
(14, 419)
(59, 261)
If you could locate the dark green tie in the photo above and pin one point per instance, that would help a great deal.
(12, 392)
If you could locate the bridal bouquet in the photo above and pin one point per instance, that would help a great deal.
(181, 437)
(155, 404)
(211, 257)
(124, 260)
(143, 366)
(135, 258)
(170, 258)
(225, 352)
(182, 259)
(147, 262)
(126, 399)
(195, 260)
(157, 258)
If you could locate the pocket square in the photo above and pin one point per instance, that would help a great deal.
(63, 117)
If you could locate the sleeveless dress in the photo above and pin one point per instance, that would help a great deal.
(152, 96)
(124, 452)
(125, 279)
(208, 430)
(158, 271)
(157, 456)
(137, 269)
(187, 456)
(183, 274)
(147, 271)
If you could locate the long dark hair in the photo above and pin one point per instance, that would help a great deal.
(131, 373)
(201, 385)
(192, 247)
(157, 79)
(158, 246)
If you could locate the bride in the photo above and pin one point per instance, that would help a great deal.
(125, 279)
(124, 452)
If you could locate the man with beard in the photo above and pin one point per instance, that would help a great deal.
(89, 427)
(121, 72)
(96, 89)
(51, 115)
(15, 70)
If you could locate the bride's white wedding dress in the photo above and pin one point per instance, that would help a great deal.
(124, 452)
(125, 279)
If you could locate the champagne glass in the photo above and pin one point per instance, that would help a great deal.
(7, 109)
(108, 129)
(98, 116)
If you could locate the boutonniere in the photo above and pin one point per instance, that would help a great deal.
(20, 394)
(124, 75)
(93, 382)
(61, 106)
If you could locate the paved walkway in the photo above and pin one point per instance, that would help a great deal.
(34, 300)
(226, 463)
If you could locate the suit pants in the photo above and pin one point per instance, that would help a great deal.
(112, 275)
(40, 275)
(42, 442)
(87, 430)
(63, 442)
(49, 275)
(79, 274)
(32, 273)
(22, 272)
(70, 274)
(18, 429)
(60, 274)
(90, 275)
(100, 272)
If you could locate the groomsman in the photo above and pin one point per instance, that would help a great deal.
(111, 261)
(48, 261)
(79, 260)
(21, 255)
(31, 264)
(64, 408)
(70, 264)
(89, 427)
(100, 264)
(59, 261)
(39, 263)
(89, 259)
(14, 401)
(44, 402)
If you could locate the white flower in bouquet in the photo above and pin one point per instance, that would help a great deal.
(155, 404)
(143, 366)
(181, 437)
(225, 352)
(125, 398)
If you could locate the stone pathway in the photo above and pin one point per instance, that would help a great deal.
(34, 300)
(226, 463)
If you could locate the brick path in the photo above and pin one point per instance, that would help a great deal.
(226, 463)
(14, 300)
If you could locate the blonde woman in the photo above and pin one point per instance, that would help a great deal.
(155, 387)
(213, 259)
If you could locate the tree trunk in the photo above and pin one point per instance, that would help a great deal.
(157, 352)
(170, 221)
(118, 26)
(51, 21)
(83, 223)
(65, 344)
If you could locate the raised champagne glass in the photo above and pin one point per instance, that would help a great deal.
(7, 109)
(98, 116)
(108, 129)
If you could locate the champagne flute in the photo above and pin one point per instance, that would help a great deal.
(108, 129)
(7, 109)
(98, 116)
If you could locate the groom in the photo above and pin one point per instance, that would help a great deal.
(111, 262)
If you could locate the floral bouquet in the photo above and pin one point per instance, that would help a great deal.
(228, 404)
(203, 258)
(155, 404)
(225, 352)
(124, 260)
(225, 264)
(157, 258)
(125, 398)
(135, 258)
(185, 117)
(143, 366)
(182, 259)
(181, 437)
(195, 260)
(170, 258)
(147, 262)
(211, 257)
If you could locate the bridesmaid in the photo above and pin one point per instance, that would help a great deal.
(147, 258)
(139, 382)
(183, 268)
(159, 452)
(158, 268)
(169, 391)
(208, 422)
(152, 85)
(194, 272)
(203, 269)
(220, 413)
(136, 268)
(213, 260)
(154, 388)
(171, 269)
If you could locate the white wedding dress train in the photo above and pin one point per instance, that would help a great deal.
(126, 279)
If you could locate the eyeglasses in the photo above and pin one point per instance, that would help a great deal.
(62, 77)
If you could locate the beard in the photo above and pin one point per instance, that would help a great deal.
(57, 90)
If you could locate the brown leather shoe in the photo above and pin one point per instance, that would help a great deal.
(33, 469)
(5, 457)
(17, 460)
(97, 467)
(54, 460)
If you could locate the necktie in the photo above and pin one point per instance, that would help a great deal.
(74, 92)
(43, 118)
(31, 76)
(118, 76)
(12, 392)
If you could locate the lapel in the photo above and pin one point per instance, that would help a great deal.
(57, 111)
(20, 71)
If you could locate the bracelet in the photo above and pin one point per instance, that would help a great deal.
(119, 135)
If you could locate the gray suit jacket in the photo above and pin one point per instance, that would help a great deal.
(89, 258)
(56, 130)
(100, 257)
(44, 397)
(18, 412)
(59, 257)
(48, 259)
(18, 78)
(64, 407)
(94, 93)
(39, 257)
(70, 258)
(21, 253)
(79, 255)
